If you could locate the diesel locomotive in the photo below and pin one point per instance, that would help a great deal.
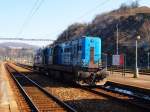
(77, 60)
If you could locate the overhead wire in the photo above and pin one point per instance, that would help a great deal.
(91, 10)
(24, 39)
(32, 12)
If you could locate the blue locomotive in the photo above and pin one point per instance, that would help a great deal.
(76, 60)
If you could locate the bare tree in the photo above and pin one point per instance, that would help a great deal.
(135, 4)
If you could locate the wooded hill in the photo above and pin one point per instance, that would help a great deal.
(131, 20)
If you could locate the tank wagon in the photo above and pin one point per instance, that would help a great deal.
(76, 60)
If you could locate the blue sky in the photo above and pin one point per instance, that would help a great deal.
(53, 16)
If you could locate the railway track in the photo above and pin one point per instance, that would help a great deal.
(38, 99)
(141, 71)
(129, 89)
(29, 67)
(124, 99)
(22, 102)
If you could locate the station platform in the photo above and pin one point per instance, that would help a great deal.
(7, 99)
(143, 81)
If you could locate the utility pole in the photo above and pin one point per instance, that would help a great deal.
(117, 39)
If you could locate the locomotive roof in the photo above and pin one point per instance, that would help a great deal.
(69, 41)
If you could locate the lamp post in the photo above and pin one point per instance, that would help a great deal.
(136, 74)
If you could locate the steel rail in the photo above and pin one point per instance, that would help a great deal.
(63, 104)
(134, 101)
(129, 71)
(25, 95)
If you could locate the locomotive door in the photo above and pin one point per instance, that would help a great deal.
(91, 55)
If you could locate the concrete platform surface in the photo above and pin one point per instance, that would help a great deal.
(143, 81)
(7, 98)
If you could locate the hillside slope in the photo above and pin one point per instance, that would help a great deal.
(16, 45)
(16, 50)
(131, 22)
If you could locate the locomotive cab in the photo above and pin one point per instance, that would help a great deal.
(90, 71)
